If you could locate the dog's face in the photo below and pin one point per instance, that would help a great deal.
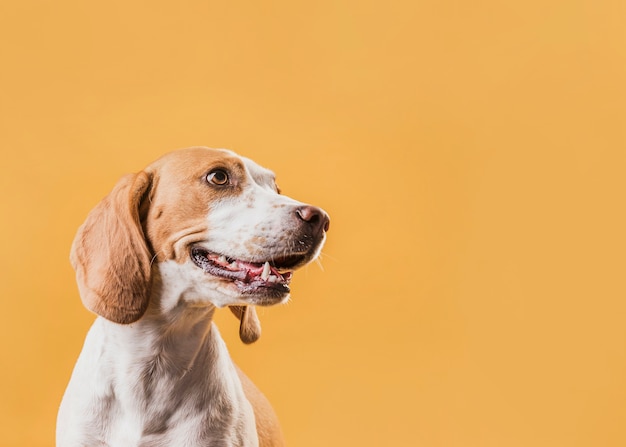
(220, 217)
(213, 221)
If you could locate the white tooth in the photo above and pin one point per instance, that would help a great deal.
(273, 278)
(222, 260)
(233, 265)
(266, 271)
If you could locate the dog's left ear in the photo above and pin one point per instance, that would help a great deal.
(249, 324)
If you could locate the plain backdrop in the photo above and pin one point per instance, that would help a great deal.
(471, 155)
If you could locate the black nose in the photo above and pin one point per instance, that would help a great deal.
(316, 217)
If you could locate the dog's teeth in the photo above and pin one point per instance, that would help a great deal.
(273, 278)
(233, 265)
(266, 271)
(222, 260)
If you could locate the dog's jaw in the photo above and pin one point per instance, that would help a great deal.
(184, 284)
(257, 280)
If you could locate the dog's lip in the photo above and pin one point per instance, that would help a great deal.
(250, 277)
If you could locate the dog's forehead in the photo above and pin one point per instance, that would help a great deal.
(200, 158)
(258, 173)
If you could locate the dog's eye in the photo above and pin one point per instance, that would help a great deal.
(217, 177)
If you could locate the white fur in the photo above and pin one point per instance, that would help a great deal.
(111, 404)
(167, 379)
(259, 213)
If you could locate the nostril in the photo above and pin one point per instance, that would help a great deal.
(314, 216)
(308, 214)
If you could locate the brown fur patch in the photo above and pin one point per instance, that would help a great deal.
(249, 324)
(267, 427)
(110, 255)
(155, 214)
(179, 205)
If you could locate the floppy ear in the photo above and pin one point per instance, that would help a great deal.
(249, 324)
(110, 254)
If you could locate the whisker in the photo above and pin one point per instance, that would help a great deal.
(326, 255)
(318, 261)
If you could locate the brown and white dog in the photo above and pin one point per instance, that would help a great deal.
(196, 230)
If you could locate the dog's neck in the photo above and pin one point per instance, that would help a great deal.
(171, 360)
(173, 337)
(172, 343)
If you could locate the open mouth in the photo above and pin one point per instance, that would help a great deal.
(269, 278)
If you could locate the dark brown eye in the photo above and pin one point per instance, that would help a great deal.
(217, 177)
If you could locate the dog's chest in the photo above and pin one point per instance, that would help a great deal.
(198, 427)
(186, 413)
(120, 399)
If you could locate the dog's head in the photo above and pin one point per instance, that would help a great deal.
(216, 220)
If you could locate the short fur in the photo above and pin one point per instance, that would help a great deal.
(154, 370)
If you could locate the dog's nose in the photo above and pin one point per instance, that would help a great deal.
(316, 217)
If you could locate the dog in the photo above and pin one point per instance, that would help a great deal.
(196, 230)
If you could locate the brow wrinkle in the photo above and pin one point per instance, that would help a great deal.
(153, 259)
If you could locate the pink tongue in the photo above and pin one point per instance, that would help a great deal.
(253, 269)
(256, 270)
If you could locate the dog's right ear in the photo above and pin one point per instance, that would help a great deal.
(110, 254)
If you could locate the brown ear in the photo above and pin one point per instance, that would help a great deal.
(110, 254)
(249, 324)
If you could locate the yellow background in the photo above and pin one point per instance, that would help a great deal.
(472, 157)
